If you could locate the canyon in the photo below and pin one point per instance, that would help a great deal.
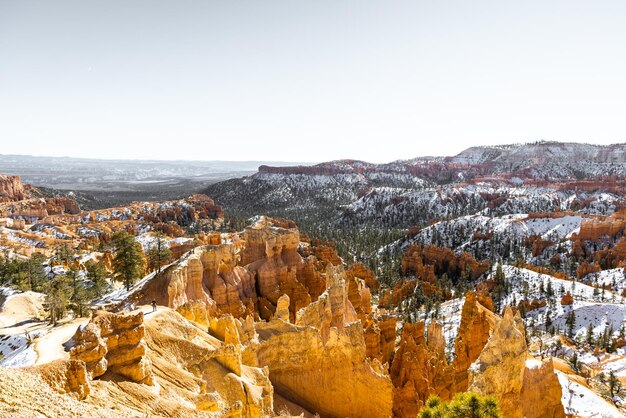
(509, 284)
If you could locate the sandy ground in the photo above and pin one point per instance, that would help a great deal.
(22, 315)
(50, 346)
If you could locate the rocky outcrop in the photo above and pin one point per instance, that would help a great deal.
(206, 370)
(247, 277)
(282, 308)
(320, 360)
(271, 255)
(380, 336)
(208, 274)
(205, 207)
(333, 378)
(567, 299)
(11, 188)
(332, 309)
(431, 261)
(114, 343)
(499, 370)
(359, 271)
(62, 206)
(541, 391)
(477, 324)
(359, 296)
(610, 226)
(524, 387)
(67, 376)
(420, 369)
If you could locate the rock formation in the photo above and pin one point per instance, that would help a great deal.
(249, 276)
(541, 391)
(271, 255)
(477, 324)
(567, 299)
(208, 274)
(359, 296)
(359, 270)
(523, 386)
(67, 377)
(610, 226)
(211, 368)
(114, 343)
(11, 188)
(320, 363)
(323, 346)
(380, 336)
(499, 370)
(420, 369)
(425, 263)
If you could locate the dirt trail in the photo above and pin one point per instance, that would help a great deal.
(50, 346)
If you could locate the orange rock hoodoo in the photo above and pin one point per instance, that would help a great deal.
(248, 276)
(114, 343)
(432, 260)
(567, 299)
(524, 387)
(420, 369)
(321, 362)
(477, 324)
(321, 344)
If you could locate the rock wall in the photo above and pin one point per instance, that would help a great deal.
(592, 229)
(359, 270)
(380, 336)
(209, 367)
(322, 344)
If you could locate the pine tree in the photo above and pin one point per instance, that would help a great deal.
(590, 334)
(574, 362)
(58, 293)
(97, 275)
(571, 323)
(615, 386)
(36, 272)
(549, 290)
(63, 254)
(80, 300)
(129, 263)
(159, 254)
(500, 287)
(463, 405)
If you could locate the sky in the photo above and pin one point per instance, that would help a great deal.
(306, 80)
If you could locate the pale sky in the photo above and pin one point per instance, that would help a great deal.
(306, 81)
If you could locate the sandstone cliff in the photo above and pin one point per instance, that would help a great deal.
(250, 275)
(11, 188)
